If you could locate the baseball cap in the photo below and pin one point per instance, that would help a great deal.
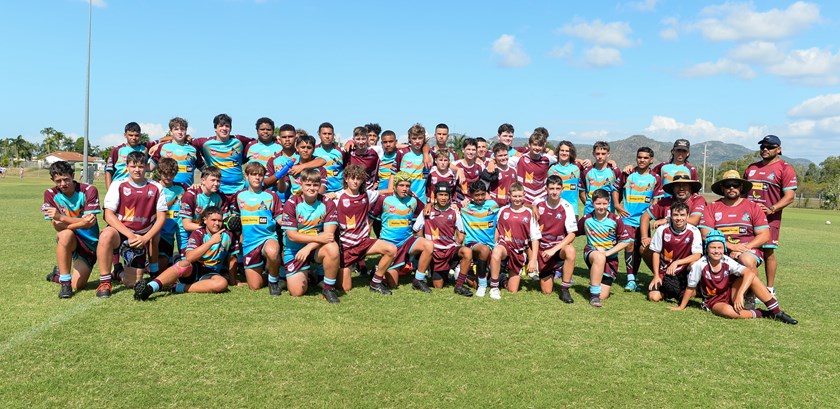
(444, 187)
(771, 140)
(682, 144)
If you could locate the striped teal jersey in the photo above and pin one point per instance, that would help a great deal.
(173, 228)
(479, 222)
(398, 216)
(570, 173)
(116, 165)
(412, 163)
(306, 219)
(228, 157)
(260, 213)
(334, 166)
(638, 192)
(84, 200)
(186, 156)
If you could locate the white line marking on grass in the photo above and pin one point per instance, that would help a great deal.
(23, 337)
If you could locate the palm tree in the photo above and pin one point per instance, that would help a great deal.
(22, 148)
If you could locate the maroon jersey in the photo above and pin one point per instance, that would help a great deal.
(769, 183)
(499, 188)
(673, 245)
(738, 223)
(532, 173)
(370, 161)
(471, 174)
(662, 208)
(136, 206)
(353, 226)
(440, 227)
(555, 222)
(436, 176)
(715, 286)
(517, 228)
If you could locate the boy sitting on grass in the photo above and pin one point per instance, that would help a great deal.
(200, 271)
(723, 283)
(606, 236)
(72, 208)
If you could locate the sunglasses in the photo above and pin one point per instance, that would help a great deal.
(769, 147)
(731, 185)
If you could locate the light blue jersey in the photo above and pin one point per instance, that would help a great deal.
(412, 163)
(479, 223)
(173, 229)
(398, 216)
(334, 166)
(570, 173)
(638, 192)
(260, 213)
(187, 158)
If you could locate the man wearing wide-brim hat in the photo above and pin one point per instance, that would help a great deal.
(682, 189)
(741, 221)
(773, 188)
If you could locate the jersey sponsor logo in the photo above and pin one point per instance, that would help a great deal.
(638, 199)
(733, 230)
(254, 220)
(480, 225)
(759, 186)
(752, 172)
(397, 223)
(559, 216)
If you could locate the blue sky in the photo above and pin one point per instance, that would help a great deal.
(603, 70)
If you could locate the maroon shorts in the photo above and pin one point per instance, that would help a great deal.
(85, 251)
(404, 253)
(350, 255)
(254, 258)
(293, 266)
(724, 297)
(442, 259)
(611, 266)
(515, 260)
(758, 254)
(634, 233)
(553, 264)
(773, 243)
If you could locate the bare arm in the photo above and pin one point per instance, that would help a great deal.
(687, 295)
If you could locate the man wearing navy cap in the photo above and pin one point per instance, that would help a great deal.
(773, 188)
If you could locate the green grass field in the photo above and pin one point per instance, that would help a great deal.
(245, 349)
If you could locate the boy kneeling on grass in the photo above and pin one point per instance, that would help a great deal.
(200, 271)
(606, 236)
(723, 283)
(72, 207)
(517, 237)
(444, 228)
(675, 247)
(309, 223)
(135, 209)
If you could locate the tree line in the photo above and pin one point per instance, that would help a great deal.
(13, 151)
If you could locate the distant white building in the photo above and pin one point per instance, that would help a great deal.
(73, 158)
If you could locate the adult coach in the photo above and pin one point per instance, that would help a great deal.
(739, 219)
(773, 188)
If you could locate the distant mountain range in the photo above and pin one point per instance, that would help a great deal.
(624, 151)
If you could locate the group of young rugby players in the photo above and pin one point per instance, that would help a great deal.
(300, 212)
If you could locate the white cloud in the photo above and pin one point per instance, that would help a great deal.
(757, 52)
(562, 52)
(599, 57)
(155, 131)
(589, 136)
(811, 139)
(615, 34)
(813, 66)
(96, 3)
(643, 5)
(510, 51)
(111, 139)
(719, 67)
(817, 107)
(740, 21)
(669, 34)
